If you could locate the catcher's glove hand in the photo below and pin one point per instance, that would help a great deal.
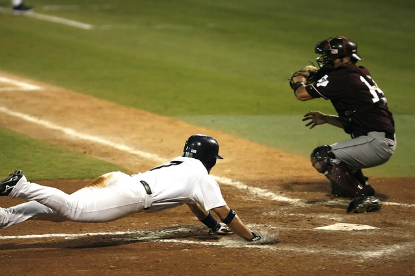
(220, 230)
(308, 72)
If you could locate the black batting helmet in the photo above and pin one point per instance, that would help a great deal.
(204, 148)
(334, 48)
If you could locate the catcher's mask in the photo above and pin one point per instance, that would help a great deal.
(331, 49)
(204, 148)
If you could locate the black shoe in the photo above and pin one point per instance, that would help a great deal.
(364, 204)
(22, 9)
(7, 185)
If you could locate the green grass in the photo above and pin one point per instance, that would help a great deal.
(232, 59)
(40, 160)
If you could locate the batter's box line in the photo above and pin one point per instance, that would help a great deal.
(17, 85)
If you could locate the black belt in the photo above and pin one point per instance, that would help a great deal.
(146, 187)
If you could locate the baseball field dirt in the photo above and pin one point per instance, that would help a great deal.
(272, 191)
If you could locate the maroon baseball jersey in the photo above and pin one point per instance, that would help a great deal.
(360, 104)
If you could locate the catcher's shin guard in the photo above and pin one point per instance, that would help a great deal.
(360, 177)
(345, 180)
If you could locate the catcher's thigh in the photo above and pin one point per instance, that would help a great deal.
(365, 151)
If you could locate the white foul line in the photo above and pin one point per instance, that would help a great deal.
(18, 85)
(75, 7)
(55, 19)
(75, 134)
(61, 20)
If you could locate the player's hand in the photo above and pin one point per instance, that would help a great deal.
(316, 117)
(220, 230)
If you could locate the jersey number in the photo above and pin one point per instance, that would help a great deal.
(375, 91)
(172, 163)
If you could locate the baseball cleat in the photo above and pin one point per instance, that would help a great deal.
(22, 9)
(7, 185)
(364, 204)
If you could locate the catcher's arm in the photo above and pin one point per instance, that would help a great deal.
(300, 93)
(300, 79)
(318, 118)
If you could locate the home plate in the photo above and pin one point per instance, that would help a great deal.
(346, 227)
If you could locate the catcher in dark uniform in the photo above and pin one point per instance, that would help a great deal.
(362, 112)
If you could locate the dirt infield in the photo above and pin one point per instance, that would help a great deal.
(265, 186)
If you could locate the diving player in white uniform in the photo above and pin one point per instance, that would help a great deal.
(184, 180)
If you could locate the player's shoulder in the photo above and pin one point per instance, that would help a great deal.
(364, 70)
(192, 162)
(183, 159)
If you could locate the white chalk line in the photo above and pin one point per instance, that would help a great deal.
(60, 20)
(72, 133)
(54, 19)
(228, 242)
(18, 85)
(75, 7)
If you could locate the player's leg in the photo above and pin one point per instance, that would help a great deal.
(346, 182)
(364, 151)
(109, 197)
(31, 210)
(342, 162)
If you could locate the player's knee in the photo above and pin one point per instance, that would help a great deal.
(320, 157)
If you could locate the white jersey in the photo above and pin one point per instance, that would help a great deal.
(182, 180)
(115, 195)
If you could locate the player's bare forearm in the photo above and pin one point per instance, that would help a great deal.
(236, 225)
(240, 229)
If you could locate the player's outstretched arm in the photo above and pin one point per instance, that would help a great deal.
(229, 217)
(206, 218)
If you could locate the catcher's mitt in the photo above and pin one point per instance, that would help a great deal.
(309, 72)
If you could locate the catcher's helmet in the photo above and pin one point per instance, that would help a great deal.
(204, 148)
(334, 48)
